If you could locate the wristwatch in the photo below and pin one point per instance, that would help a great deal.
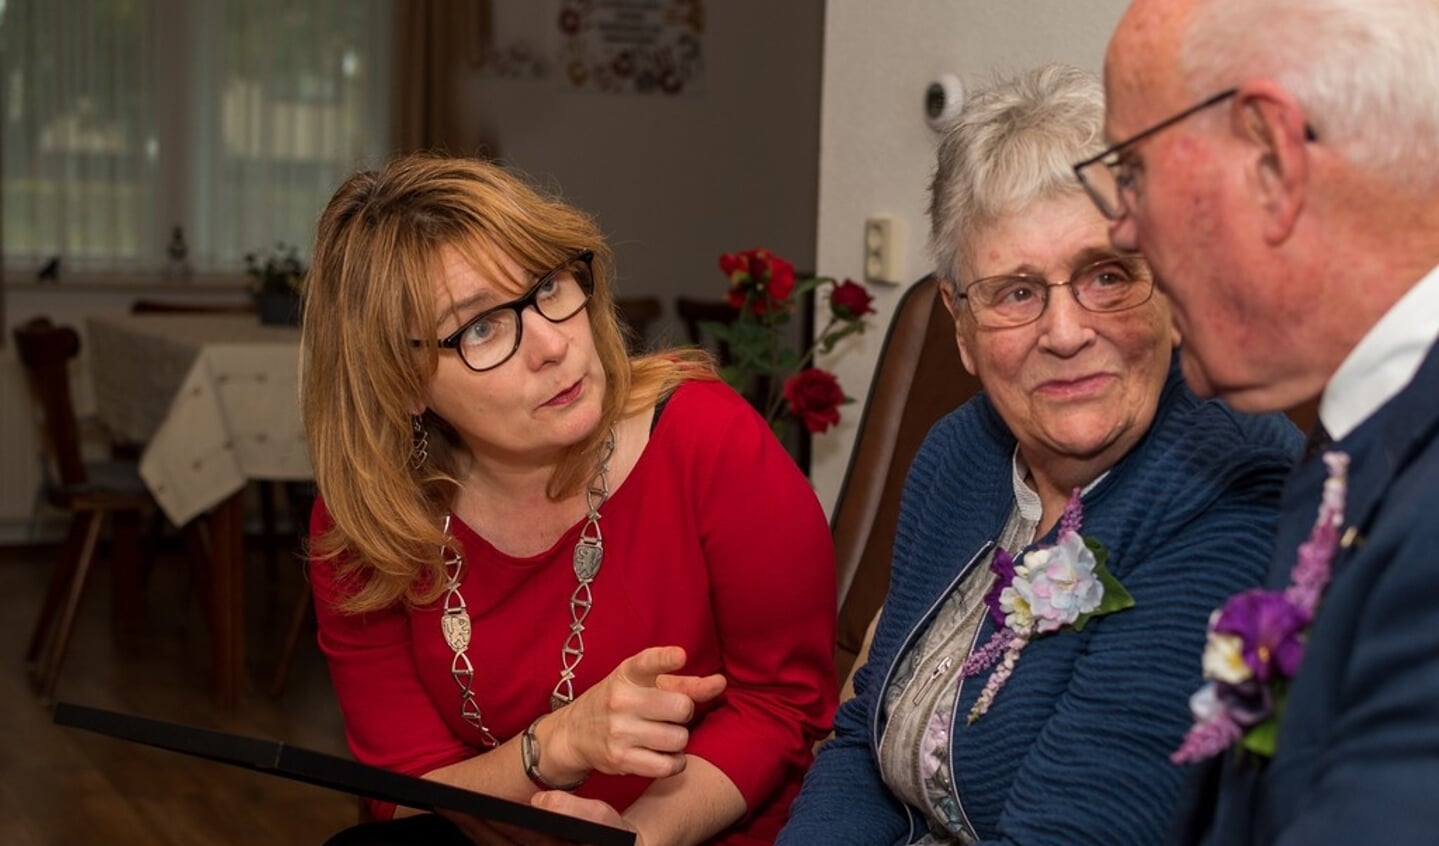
(530, 755)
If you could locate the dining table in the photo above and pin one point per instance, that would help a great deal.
(214, 400)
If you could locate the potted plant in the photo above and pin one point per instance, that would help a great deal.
(275, 280)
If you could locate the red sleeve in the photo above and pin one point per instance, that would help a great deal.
(390, 721)
(768, 550)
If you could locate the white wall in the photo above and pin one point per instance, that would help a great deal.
(877, 152)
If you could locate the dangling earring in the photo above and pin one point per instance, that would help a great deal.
(419, 443)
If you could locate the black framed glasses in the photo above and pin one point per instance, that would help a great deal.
(491, 337)
(1110, 178)
(1115, 283)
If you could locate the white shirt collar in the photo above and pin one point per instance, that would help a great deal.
(1384, 360)
(1026, 499)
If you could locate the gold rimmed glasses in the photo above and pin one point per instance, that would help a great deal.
(1110, 284)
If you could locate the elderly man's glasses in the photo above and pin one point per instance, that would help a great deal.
(1110, 178)
(1111, 284)
(491, 337)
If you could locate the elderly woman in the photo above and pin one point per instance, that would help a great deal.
(544, 570)
(1062, 537)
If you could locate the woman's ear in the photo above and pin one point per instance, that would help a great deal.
(961, 337)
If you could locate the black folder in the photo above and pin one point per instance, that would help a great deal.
(293, 762)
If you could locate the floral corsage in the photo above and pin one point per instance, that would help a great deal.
(1257, 639)
(1048, 588)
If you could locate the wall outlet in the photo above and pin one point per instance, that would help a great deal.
(882, 260)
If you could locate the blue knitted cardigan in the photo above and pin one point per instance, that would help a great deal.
(1075, 748)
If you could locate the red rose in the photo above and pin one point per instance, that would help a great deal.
(814, 396)
(731, 262)
(758, 277)
(850, 301)
(781, 279)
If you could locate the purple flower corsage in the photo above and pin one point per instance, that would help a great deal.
(1256, 642)
(1048, 588)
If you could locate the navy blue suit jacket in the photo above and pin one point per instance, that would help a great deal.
(1357, 759)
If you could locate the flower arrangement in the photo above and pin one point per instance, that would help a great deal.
(1048, 588)
(1256, 642)
(763, 290)
(278, 271)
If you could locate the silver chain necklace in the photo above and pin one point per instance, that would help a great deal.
(455, 619)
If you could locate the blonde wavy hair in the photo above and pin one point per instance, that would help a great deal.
(370, 290)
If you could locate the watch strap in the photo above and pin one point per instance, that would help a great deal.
(530, 755)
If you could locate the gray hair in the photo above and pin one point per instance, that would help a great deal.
(1014, 143)
(1366, 74)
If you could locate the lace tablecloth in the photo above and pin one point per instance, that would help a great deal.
(214, 399)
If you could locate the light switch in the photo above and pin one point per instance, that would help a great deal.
(882, 260)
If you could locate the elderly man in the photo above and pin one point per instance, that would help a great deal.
(1278, 162)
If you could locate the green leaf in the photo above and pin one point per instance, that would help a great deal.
(1115, 598)
(734, 376)
(807, 284)
(1261, 738)
(720, 331)
(787, 360)
(834, 336)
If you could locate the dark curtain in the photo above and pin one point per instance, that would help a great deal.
(437, 42)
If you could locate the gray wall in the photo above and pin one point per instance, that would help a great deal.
(877, 151)
(677, 180)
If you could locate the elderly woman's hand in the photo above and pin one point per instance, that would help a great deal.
(632, 723)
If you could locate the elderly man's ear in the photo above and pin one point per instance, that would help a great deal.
(951, 302)
(1268, 119)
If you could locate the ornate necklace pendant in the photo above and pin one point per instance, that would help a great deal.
(455, 624)
(589, 554)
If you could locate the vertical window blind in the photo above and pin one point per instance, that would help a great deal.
(229, 120)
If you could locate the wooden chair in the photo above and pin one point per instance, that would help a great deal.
(95, 493)
(149, 306)
(917, 380)
(693, 312)
(637, 314)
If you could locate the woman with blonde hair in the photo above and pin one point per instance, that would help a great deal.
(545, 570)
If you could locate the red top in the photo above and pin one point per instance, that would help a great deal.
(715, 542)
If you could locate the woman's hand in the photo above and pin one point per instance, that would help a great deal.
(632, 723)
(490, 833)
(586, 809)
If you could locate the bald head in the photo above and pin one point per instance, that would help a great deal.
(1142, 60)
(1273, 136)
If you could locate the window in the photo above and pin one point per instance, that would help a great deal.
(223, 124)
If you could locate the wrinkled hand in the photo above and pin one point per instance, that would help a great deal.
(633, 722)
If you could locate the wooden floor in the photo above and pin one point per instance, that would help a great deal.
(61, 786)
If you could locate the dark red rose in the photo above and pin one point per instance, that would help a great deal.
(781, 279)
(731, 262)
(850, 300)
(759, 278)
(814, 396)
